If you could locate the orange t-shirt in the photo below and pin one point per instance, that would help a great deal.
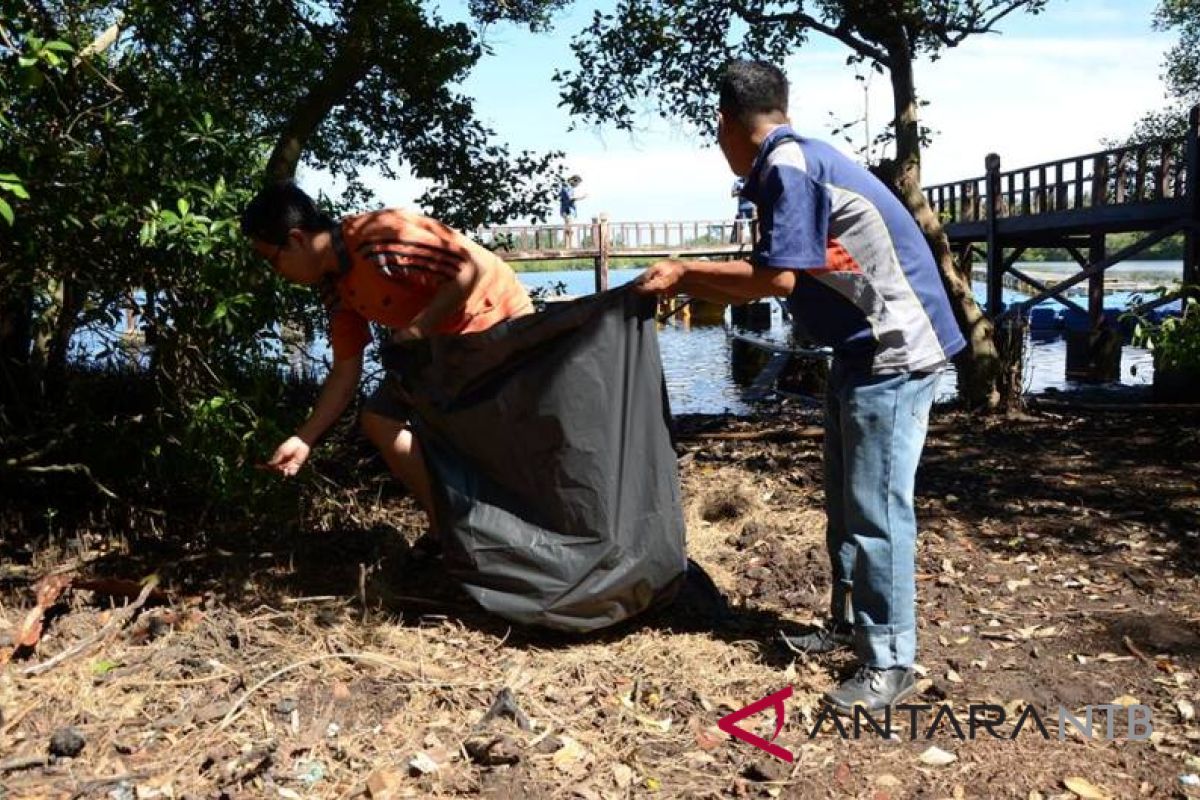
(398, 261)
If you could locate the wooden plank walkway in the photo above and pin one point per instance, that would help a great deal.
(1073, 203)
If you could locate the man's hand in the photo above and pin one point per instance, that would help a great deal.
(662, 277)
(289, 456)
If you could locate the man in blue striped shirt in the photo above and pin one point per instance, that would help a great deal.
(860, 278)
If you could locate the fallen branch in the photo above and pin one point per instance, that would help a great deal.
(119, 587)
(1133, 648)
(90, 785)
(22, 762)
(811, 432)
(79, 469)
(781, 434)
(114, 624)
(9, 724)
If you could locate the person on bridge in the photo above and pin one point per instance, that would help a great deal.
(859, 277)
(745, 212)
(567, 196)
(402, 270)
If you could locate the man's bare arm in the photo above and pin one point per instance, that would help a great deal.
(733, 281)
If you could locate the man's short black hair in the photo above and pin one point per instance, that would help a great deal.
(750, 88)
(277, 209)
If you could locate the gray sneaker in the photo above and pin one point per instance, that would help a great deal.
(873, 688)
(819, 640)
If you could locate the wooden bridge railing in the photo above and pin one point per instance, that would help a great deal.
(601, 240)
(1074, 203)
(533, 242)
(1143, 173)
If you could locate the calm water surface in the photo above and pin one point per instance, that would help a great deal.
(696, 358)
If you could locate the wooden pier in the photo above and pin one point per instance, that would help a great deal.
(1073, 203)
(1035, 279)
(602, 241)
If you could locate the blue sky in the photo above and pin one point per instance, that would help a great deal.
(1046, 87)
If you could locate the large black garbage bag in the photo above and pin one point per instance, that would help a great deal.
(547, 438)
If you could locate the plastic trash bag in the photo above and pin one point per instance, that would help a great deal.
(555, 482)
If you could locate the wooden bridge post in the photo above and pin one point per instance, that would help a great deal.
(995, 254)
(1096, 246)
(1191, 249)
(1096, 253)
(601, 241)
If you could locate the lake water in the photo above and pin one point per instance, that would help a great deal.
(696, 358)
(697, 361)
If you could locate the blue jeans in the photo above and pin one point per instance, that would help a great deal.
(874, 433)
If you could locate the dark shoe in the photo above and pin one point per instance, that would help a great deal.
(872, 688)
(819, 640)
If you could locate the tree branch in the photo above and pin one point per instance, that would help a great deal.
(841, 33)
(964, 30)
(350, 66)
(6, 40)
(319, 33)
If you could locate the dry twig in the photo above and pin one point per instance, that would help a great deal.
(114, 624)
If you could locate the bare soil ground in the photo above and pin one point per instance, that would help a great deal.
(1057, 567)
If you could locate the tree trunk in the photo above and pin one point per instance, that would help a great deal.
(349, 66)
(16, 336)
(55, 328)
(979, 364)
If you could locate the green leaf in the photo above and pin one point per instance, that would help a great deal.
(60, 46)
(16, 189)
(6, 211)
(27, 61)
(103, 667)
(183, 207)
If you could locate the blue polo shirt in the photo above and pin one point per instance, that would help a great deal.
(866, 282)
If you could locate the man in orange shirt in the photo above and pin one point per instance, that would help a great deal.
(397, 268)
